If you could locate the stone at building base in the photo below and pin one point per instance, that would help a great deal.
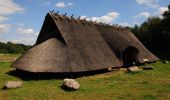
(71, 84)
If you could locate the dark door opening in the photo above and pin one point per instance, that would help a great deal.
(130, 56)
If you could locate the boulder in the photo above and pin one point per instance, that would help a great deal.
(71, 84)
(148, 68)
(133, 69)
(165, 61)
(109, 69)
(12, 84)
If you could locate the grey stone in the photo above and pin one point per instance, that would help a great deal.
(71, 84)
(109, 69)
(12, 84)
(148, 68)
(165, 62)
(133, 69)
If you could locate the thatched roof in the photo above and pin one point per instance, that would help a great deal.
(66, 44)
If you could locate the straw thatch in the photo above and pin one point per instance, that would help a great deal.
(66, 44)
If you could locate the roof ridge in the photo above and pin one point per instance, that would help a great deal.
(84, 20)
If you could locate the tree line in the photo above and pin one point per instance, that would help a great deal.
(154, 33)
(10, 47)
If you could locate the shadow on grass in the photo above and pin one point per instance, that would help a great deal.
(26, 76)
(67, 89)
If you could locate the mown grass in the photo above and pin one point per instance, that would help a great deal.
(116, 85)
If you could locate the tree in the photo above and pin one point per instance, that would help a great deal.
(10, 47)
(135, 30)
(154, 33)
(166, 14)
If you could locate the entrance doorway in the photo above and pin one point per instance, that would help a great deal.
(130, 56)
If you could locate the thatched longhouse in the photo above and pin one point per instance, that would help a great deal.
(66, 44)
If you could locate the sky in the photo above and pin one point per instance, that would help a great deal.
(21, 20)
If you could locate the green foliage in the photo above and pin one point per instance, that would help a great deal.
(10, 47)
(154, 33)
(135, 29)
(166, 14)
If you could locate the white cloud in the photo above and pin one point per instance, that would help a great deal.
(37, 33)
(2, 18)
(157, 13)
(21, 24)
(60, 4)
(70, 4)
(23, 40)
(27, 31)
(111, 16)
(143, 14)
(125, 24)
(150, 3)
(162, 10)
(10, 7)
(83, 16)
(63, 4)
(4, 28)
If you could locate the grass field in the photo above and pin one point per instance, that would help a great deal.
(8, 57)
(116, 85)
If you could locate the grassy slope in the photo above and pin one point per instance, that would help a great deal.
(8, 57)
(145, 85)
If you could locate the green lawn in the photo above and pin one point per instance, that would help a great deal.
(116, 85)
